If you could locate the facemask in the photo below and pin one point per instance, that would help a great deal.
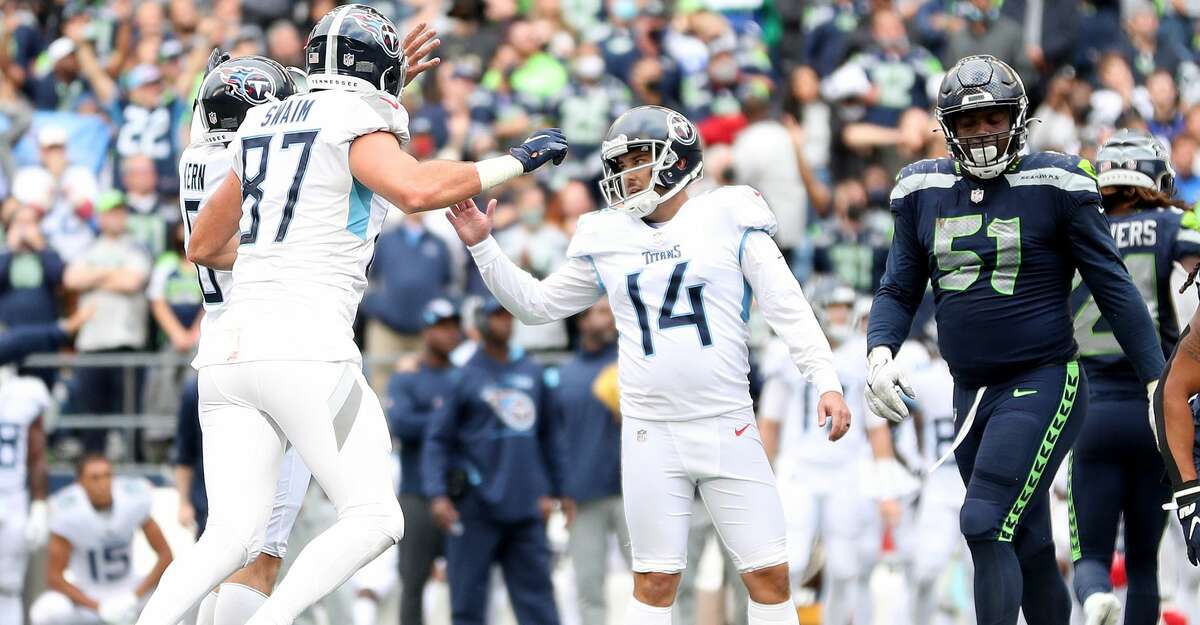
(625, 10)
(532, 216)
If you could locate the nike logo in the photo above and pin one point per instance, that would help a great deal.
(1192, 531)
(741, 429)
(1023, 392)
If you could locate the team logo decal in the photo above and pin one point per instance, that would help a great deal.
(514, 408)
(381, 30)
(249, 83)
(681, 129)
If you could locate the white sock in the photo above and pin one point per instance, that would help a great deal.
(10, 608)
(638, 613)
(204, 614)
(365, 611)
(765, 614)
(236, 604)
(324, 564)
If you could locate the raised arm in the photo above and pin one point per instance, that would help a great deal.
(569, 290)
(420, 186)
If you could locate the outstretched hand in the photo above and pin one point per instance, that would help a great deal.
(471, 225)
(417, 46)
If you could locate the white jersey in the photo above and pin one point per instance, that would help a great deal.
(308, 228)
(790, 399)
(101, 541)
(22, 401)
(934, 387)
(202, 168)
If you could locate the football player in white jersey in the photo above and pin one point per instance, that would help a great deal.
(679, 271)
(225, 95)
(23, 482)
(89, 564)
(820, 481)
(280, 365)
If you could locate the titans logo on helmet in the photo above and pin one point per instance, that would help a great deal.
(381, 30)
(249, 83)
(681, 129)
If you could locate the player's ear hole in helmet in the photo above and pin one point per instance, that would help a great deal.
(1135, 172)
(234, 86)
(981, 109)
(649, 155)
(356, 48)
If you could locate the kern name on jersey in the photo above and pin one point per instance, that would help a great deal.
(101, 541)
(22, 401)
(202, 168)
(308, 228)
(801, 439)
(680, 301)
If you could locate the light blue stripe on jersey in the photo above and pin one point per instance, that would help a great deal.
(746, 293)
(360, 209)
(599, 281)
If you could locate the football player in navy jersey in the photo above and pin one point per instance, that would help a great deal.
(1000, 236)
(1115, 470)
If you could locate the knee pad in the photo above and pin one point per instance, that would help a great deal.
(979, 519)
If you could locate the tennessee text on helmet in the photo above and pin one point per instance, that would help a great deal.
(675, 153)
(233, 87)
(355, 48)
(1134, 159)
(981, 82)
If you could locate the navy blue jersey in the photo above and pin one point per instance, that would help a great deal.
(1001, 254)
(1150, 242)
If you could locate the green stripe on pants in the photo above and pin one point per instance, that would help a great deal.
(1045, 451)
(1076, 552)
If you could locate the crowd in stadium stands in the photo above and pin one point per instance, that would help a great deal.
(816, 103)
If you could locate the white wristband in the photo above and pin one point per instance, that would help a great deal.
(497, 171)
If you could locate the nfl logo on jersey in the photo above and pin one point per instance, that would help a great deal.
(641, 436)
(976, 195)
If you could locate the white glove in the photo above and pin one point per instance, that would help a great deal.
(884, 384)
(119, 610)
(37, 528)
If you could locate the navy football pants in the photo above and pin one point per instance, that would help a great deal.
(1116, 472)
(1019, 432)
(523, 554)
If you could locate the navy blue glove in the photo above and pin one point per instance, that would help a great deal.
(544, 146)
(1185, 500)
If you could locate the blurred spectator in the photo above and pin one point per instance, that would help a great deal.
(1164, 117)
(834, 36)
(415, 393)
(493, 466)
(764, 158)
(575, 199)
(110, 275)
(15, 118)
(1058, 130)
(804, 103)
(147, 112)
(65, 192)
(589, 403)
(853, 245)
(175, 297)
(1183, 159)
(149, 215)
(285, 44)
(57, 87)
(886, 85)
(979, 28)
(538, 245)
(587, 108)
(1117, 95)
(1141, 45)
(411, 268)
(30, 272)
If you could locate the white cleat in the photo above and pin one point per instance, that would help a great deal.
(1102, 608)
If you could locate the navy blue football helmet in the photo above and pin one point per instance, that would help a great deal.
(356, 48)
(676, 157)
(979, 82)
(234, 86)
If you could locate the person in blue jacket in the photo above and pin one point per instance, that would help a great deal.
(493, 468)
(588, 403)
(415, 394)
